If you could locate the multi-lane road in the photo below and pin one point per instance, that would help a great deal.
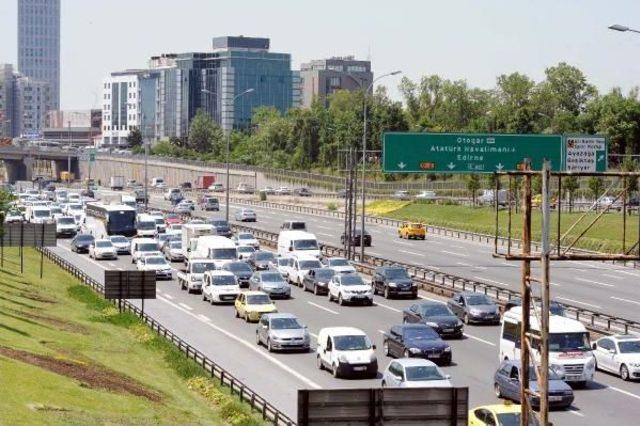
(231, 342)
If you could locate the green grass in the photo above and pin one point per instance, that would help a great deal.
(48, 324)
(605, 235)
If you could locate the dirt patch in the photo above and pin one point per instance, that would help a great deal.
(90, 375)
(55, 322)
(37, 297)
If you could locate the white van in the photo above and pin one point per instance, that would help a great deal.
(570, 353)
(220, 249)
(157, 182)
(128, 200)
(298, 243)
(220, 286)
(145, 226)
(39, 214)
(143, 247)
(346, 351)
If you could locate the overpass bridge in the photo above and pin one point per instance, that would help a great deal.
(25, 163)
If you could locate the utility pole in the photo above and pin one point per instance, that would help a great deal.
(525, 328)
(543, 377)
(69, 148)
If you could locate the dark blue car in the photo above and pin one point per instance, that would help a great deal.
(507, 385)
(418, 341)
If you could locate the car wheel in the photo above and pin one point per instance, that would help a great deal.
(319, 363)
(237, 313)
(385, 348)
(384, 384)
(497, 391)
(340, 300)
(406, 353)
(334, 371)
(465, 319)
(330, 296)
(387, 295)
(246, 317)
(624, 373)
(258, 342)
(269, 347)
(204, 298)
(315, 289)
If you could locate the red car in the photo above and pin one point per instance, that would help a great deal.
(172, 218)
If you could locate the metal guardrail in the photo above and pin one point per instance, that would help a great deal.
(245, 393)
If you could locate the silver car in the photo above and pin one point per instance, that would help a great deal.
(271, 282)
(246, 215)
(414, 373)
(282, 332)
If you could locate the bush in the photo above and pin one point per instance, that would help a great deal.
(332, 207)
(263, 196)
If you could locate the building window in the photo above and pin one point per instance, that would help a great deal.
(334, 81)
(338, 68)
(356, 68)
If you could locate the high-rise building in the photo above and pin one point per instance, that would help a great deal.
(7, 100)
(321, 78)
(39, 43)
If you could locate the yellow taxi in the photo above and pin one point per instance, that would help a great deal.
(412, 230)
(250, 305)
(498, 415)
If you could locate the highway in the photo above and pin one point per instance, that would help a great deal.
(230, 342)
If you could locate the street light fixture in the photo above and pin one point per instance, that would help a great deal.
(622, 28)
(208, 92)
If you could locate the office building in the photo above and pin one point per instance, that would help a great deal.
(24, 104)
(321, 78)
(73, 127)
(39, 43)
(7, 101)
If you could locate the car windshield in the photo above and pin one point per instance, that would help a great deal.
(147, 247)
(103, 244)
(223, 280)
(324, 274)
(435, 310)
(219, 223)
(423, 372)
(172, 216)
(74, 206)
(155, 260)
(176, 226)
(56, 210)
(283, 261)
(146, 225)
(42, 213)
(285, 324)
(533, 377)
(201, 267)
(271, 277)
(175, 244)
(119, 240)
(246, 249)
(397, 274)
(238, 267)
(66, 221)
(309, 264)
(478, 299)
(84, 238)
(258, 299)
(351, 279)
(223, 253)
(569, 342)
(159, 221)
(632, 347)
(264, 256)
(352, 343)
(339, 262)
(425, 333)
(245, 237)
(305, 245)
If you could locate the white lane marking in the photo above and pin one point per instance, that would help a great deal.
(454, 254)
(204, 317)
(373, 253)
(491, 281)
(387, 307)
(88, 259)
(486, 342)
(168, 296)
(429, 298)
(112, 264)
(433, 267)
(612, 276)
(187, 307)
(471, 266)
(625, 300)
(622, 391)
(381, 331)
(627, 273)
(411, 252)
(404, 243)
(584, 280)
(575, 412)
(314, 335)
(323, 227)
(579, 302)
(120, 269)
(324, 234)
(323, 308)
(250, 345)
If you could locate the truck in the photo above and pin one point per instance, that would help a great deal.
(205, 181)
(192, 277)
(116, 183)
(190, 234)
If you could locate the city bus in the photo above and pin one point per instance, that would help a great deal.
(117, 219)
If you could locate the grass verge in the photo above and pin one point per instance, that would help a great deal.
(68, 357)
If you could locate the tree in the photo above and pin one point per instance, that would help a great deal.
(630, 165)
(570, 185)
(134, 138)
(5, 203)
(205, 135)
(473, 185)
(596, 186)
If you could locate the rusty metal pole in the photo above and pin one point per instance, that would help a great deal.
(559, 207)
(525, 409)
(543, 383)
(511, 202)
(624, 215)
(495, 202)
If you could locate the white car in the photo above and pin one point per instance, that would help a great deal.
(161, 226)
(340, 265)
(300, 268)
(66, 226)
(283, 190)
(155, 263)
(414, 373)
(121, 243)
(14, 216)
(618, 354)
(246, 215)
(141, 247)
(350, 288)
(346, 351)
(102, 249)
(426, 195)
(245, 252)
(216, 187)
(220, 286)
(246, 239)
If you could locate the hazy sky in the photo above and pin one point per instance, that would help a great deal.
(471, 40)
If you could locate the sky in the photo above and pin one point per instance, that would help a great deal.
(458, 39)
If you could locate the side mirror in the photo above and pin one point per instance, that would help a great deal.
(612, 351)
(290, 248)
(373, 347)
(594, 346)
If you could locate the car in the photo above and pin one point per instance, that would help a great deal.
(241, 270)
(282, 332)
(13, 216)
(88, 193)
(294, 225)
(280, 264)
(190, 203)
(220, 286)
(268, 190)
(121, 243)
(555, 308)
(171, 194)
(102, 249)
(339, 264)
(244, 188)
(317, 280)
(157, 263)
(436, 315)
(346, 352)
(260, 260)
(302, 192)
(498, 415)
(473, 307)
(245, 252)
(81, 242)
(216, 187)
(186, 186)
(246, 215)
(416, 340)
(246, 239)
(221, 227)
(355, 238)
(182, 208)
(283, 190)
(271, 283)
(426, 195)
(409, 230)
(393, 281)
(171, 219)
(143, 246)
(209, 203)
(618, 354)
(350, 288)
(251, 305)
(298, 269)
(506, 384)
(401, 195)
(161, 239)
(172, 250)
(66, 226)
(414, 373)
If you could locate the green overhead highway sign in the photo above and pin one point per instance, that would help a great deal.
(488, 153)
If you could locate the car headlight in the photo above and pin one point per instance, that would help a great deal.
(447, 349)
(194, 278)
(414, 350)
(393, 285)
(557, 369)
(474, 312)
(343, 358)
(635, 364)
(432, 324)
(591, 363)
(568, 392)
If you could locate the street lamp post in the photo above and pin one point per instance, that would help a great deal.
(622, 28)
(228, 137)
